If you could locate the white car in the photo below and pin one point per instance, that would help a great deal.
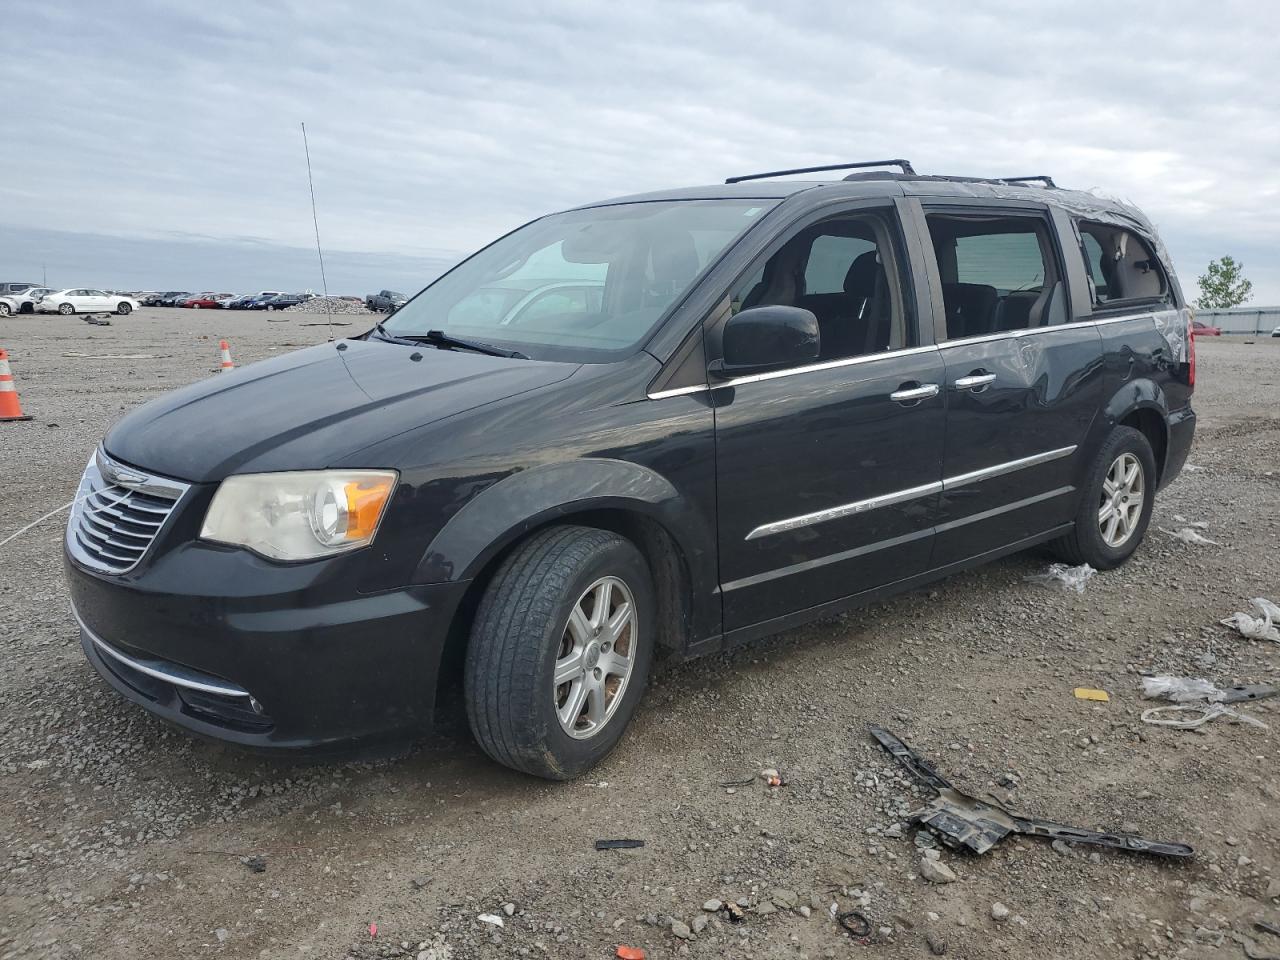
(8, 306)
(26, 301)
(85, 301)
(1276, 332)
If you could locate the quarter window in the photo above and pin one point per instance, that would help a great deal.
(845, 271)
(1121, 265)
(998, 273)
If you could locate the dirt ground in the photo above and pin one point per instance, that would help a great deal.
(123, 838)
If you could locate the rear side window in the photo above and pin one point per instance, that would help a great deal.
(1121, 265)
(998, 273)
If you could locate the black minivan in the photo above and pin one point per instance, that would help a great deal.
(680, 420)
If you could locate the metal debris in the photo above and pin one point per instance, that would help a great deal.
(618, 844)
(962, 821)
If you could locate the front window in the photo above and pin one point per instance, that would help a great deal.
(581, 285)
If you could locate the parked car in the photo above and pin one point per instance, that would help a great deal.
(85, 300)
(25, 302)
(171, 299)
(1276, 332)
(797, 397)
(13, 289)
(8, 306)
(384, 301)
(280, 301)
(244, 303)
(208, 301)
(1204, 330)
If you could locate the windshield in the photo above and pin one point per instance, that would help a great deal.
(579, 285)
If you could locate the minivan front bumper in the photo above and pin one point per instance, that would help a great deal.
(283, 669)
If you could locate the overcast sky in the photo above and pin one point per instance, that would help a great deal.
(156, 144)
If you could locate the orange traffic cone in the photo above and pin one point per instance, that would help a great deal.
(226, 357)
(10, 407)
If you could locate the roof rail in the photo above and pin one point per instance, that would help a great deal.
(1047, 181)
(904, 164)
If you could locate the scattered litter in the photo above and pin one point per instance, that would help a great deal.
(1190, 536)
(1262, 627)
(373, 931)
(618, 844)
(738, 783)
(1193, 524)
(22, 530)
(1196, 716)
(1059, 574)
(734, 913)
(629, 953)
(1186, 689)
(492, 919)
(1088, 693)
(962, 821)
(98, 321)
(256, 864)
(855, 924)
(112, 356)
(1194, 467)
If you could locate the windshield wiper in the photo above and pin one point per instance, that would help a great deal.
(438, 338)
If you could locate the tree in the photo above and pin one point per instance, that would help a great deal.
(1224, 285)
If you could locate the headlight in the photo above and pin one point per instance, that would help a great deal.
(299, 516)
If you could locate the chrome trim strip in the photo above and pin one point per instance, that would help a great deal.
(825, 365)
(1000, 469)
(911, 493)
(1003, 508)
(168, 672)
(806, 565)
(679, 391)
(121, 476)
(845, 510)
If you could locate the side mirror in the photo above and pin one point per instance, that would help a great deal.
(765, 338)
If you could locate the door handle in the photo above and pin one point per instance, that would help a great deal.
(912, 394)
(975, 380)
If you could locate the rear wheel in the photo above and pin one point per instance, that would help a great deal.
(1116, 506)
(124, 309)
(560, 651)
(66, 309)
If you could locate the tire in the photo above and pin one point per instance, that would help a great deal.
(195, 306)
(4, 309)
(1088, 542)
(124, 309)
(66, 309)
(522, 629)
(270, 307)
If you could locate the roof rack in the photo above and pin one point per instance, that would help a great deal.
(904, 164)
(1047, 181)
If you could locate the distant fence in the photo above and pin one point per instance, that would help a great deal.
(1242, 319)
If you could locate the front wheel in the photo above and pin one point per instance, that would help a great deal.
(124, 309)
(1116, 505)
(66, 309)
(560, 651)
(4, 309)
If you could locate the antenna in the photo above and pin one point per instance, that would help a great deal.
(324, 283)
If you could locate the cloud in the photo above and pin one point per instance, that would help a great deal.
(434, 127)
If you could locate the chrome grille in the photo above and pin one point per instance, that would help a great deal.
(117, 514)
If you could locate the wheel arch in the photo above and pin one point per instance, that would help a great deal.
(1141, 404)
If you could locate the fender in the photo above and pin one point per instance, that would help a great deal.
(526, 500)
(1138, 394)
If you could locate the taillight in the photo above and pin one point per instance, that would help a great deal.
(1191, 353)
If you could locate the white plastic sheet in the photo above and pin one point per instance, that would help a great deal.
(1068, 578)
(1261, 627)
(1189, 535)
(1188, 716)
(1180, 689)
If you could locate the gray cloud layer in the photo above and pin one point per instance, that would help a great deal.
(436, 126)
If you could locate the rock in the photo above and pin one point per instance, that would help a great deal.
(221, 933)
(999, 911)
(713, 905)
(419, 882)
(491, 919)
(1273, 889)
(766, 907)
(1062, 847)
(935, 871)
(937, 946)
(509, 909)
(769, 773)
(681, 930)
(1198, 905)
(700, 923)
(805, 911)
(893, 832)
(785, 899)
(933, 853)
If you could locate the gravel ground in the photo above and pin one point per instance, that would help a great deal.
(123, 838)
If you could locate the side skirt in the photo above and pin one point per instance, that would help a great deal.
(766, 628)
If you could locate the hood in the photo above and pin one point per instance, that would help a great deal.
(308, 409)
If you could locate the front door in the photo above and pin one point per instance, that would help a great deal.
(1023, 383)
(828, 473)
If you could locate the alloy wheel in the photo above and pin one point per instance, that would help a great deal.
(595, 659)
(1120, 508)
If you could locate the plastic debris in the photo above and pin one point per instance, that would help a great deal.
(1059, 574)
(492, 919)
(855, 924)
(1193, 524)
(1186, 716)
(1262, 627)
(629, 953)
(373, 931)
(1088, 693)
(1180, 689)
(618, 844)
(1190, 536)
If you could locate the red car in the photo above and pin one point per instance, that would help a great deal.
(1199, 329)
(207, 301)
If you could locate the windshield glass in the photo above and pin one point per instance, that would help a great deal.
(579, 285)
